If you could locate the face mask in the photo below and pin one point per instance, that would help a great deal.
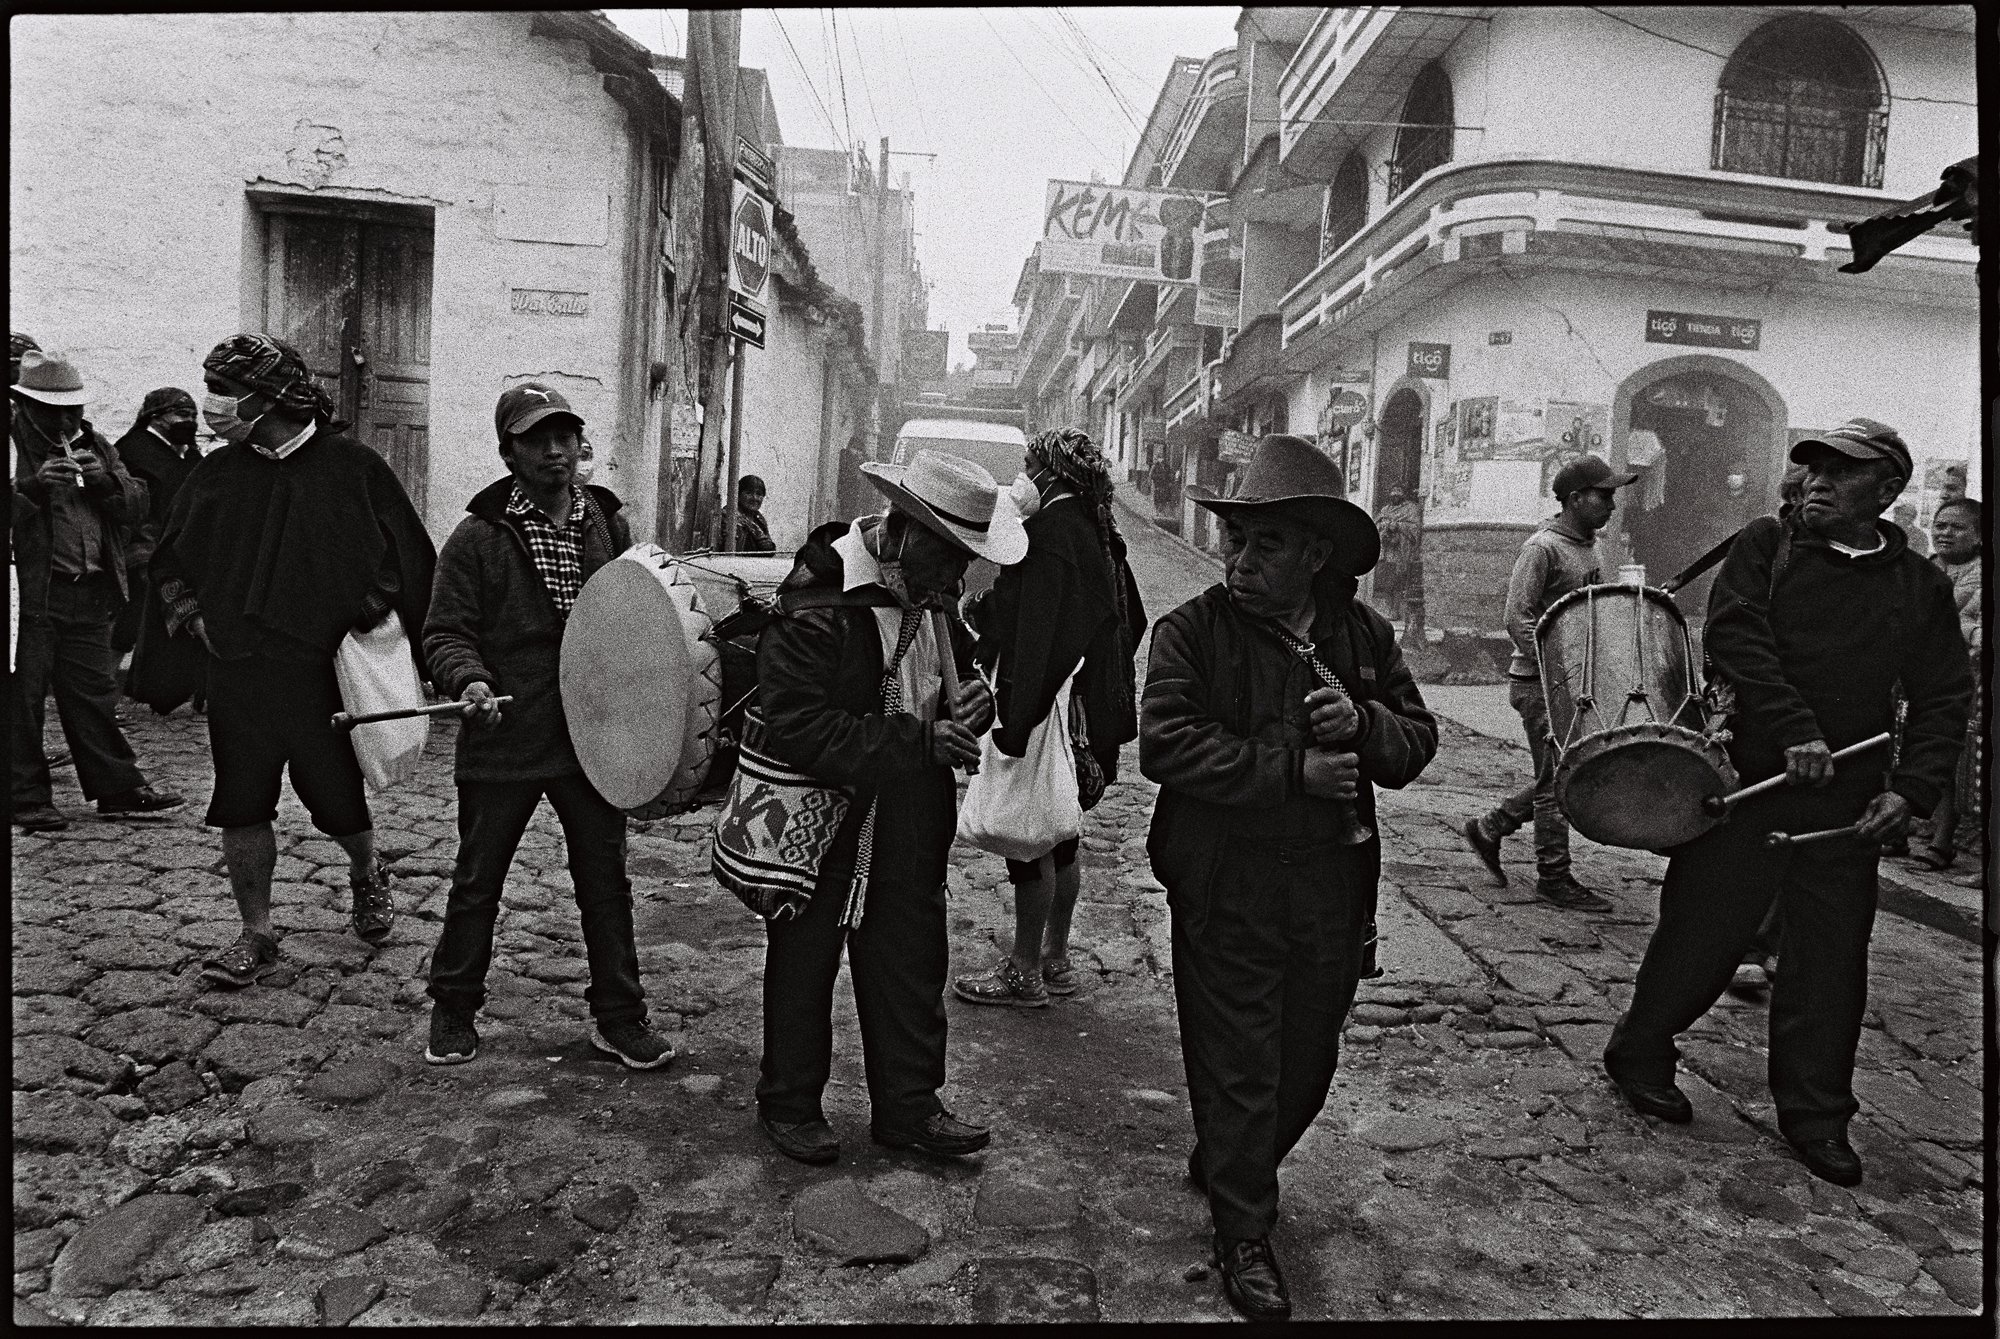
(181, 432)
(585, 467)
(1027, 498)
(220, 411)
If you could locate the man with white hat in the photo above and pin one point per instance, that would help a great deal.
(849, 684)
(81, 510)
(1274, 703)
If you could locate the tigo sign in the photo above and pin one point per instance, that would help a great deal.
(1430, 360)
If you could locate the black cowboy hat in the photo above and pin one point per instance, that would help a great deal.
(1291, 477)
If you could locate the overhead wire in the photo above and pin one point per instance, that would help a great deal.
(1053, 102)
(1064, 45)
(840, 66)
(909, 68)
(861, 69)
(811, 87)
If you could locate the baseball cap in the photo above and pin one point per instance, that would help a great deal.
(1863, 439)
(1587, 472)
(522, 407)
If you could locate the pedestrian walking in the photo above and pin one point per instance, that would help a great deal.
(75, 510)
(1274, 704)
(506, 582)
(160, 451)
(1559, 557)
(1070, 608)
(1813, 657)
(280, 542)
(850, 692)
(1957, 528)
(1399, 577)
(753, 532)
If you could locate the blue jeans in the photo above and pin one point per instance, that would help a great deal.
(1537, 800)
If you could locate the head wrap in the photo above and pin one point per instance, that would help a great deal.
(160, 401)
(271, 367)
(1073, 458)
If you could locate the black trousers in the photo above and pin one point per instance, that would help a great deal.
(898, 959)
(1265, 965)
(70, 650)
(1717, 891)
(492, 815)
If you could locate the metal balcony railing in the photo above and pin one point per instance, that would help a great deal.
(1799, 140)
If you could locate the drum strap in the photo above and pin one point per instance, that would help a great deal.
(892, 704)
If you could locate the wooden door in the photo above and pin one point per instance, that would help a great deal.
(309, 292)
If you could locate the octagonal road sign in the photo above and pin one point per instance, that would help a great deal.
(750, 248)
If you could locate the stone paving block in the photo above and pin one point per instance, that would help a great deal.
(133, 953)
(609, 1209)
(250, 1051)
(328, 1232)
(322, 948)
(43, 1061)
(50, 974)
(1961, 1277)
(119, 990)
(61, 1122)
(523, 1245)
(257, 1004)
(55, 1014)
(360, 1080)
(154, 1036)
(109, 1250)
(733, 1281)
(1755, 1199)
(341, 1299)
(426, 1210)
(153, 1146)
(1010, 1198)
(1918, 1233)
(1033, 1290)
(836, 1217)
(52, 1187)
(1405, 1134)
(456, 1298)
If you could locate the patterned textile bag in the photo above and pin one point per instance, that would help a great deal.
(775, 828)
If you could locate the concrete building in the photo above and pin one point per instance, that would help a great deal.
(433, 206)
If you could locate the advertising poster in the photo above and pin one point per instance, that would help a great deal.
(1475, 427)
(1122, 232)
(1518, 430)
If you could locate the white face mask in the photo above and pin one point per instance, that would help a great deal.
(1027, 498)
(585, 467)
(220, 411)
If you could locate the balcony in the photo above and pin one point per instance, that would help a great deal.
(1253, 360)
(1669, 227)
(1355, 65)
(1206, 145)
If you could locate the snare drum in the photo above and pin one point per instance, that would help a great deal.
(1634, 755)
(641, 685)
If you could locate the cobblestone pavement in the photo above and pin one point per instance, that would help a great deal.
(282, 1155)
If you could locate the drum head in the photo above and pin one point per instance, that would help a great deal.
(626, 677)
(1640, 787)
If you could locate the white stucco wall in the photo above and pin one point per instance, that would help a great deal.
(135, 137)
(783, 393)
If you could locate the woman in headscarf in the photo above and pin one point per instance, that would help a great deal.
(1070, 608)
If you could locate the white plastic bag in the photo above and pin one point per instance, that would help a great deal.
(1023, 808)
(376, 674)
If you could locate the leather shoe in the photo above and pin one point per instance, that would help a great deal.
(809, 1141)
(941, 1135)
(1666, 1103)
(1250, 1278)
(1830, 1160)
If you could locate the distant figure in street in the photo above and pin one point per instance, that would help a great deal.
(1558, 558)
(1905, 517)
(280, 542)
(1070, 608)
(1813, 654)
(1262, 832)
(75, 510)
(753, 533)
(1959, 529)
(160, 451)
(850, 689)
(506, 582)
(1399, 577)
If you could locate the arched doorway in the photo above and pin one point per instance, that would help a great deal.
(1704, 445)
(1399, 462)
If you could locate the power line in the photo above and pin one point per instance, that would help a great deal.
(1117, 96)
(1074, 55)
(1053, 102)
(833, 45)
(811, 87)
(861, 68)
(909, 68)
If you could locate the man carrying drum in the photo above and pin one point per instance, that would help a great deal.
(506, 582)
(1558, 558)
(1813, 657)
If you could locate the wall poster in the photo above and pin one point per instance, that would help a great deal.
(1518, 428)
(1475, 427)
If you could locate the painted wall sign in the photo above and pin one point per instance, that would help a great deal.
(547, 302)
(1707, 332)
(1431, 360)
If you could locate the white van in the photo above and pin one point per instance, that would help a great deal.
(1000, 447)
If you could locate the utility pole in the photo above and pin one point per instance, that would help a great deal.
(727, 499)
(881, 265)
(714, 47)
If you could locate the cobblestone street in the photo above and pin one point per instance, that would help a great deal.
(282, 1155)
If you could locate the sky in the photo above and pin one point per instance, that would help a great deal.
(1005, 98)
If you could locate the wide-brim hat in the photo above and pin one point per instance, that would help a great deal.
(1291, 477)
(51, 380)
(958, 499)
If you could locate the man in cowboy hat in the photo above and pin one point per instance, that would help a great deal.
(289, 536)
(1274, 703)
(75, 510)
(849, 686)
(1559, 557)
(1814, 620)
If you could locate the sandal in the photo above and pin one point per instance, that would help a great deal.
(373, 913)
(251, 958)
(1930, 857)
(1005, 984)
(1059, 975)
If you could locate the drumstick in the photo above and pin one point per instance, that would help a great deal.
(1717, 805)
(347, 721)
(1788, 839)
(948, 671)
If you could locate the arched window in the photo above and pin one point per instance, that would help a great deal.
(1346, 205)
(1802, 98)
(1424, 140)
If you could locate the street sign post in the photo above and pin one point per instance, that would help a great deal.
(746, 322)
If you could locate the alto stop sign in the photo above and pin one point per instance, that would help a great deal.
(751, 252)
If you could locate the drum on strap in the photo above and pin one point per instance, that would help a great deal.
(1634, 755)
(641, 685)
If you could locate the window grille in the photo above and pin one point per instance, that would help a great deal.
(1424, 141)
(1802, 98)
(1346, 205)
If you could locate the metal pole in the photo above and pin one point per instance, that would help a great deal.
(881, 265)
(735, 447)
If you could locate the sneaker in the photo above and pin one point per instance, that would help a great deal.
(373, 912)
(1487, 848)
(941, 1135)
(1005, 984)
(40, 818)
(139, 802)
(1059, 976)
(633, 1042)
(1570, 895)
(244, 963)
(453, 1038)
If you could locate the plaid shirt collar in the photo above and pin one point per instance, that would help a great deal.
(520, 504)
(555, 549)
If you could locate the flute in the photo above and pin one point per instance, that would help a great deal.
(948, 671)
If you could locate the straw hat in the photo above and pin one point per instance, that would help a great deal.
(958, 499)
(50, 379)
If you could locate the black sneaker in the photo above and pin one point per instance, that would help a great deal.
(1487, 848)
(139, 802)
(244, 963)
(373, 912)
(40, 818)
(453, 1038)
(1570, 895)
(634, 1043)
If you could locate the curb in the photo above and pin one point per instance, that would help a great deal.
(1147, 520)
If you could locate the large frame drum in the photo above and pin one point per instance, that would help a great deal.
(1634, 757)
(641, 684)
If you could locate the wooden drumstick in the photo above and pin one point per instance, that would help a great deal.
(347, 721)
(1717, 805)
(1790, 839)
(948, 671)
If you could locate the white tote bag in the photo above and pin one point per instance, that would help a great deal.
(376, 674)
(1023, 808)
